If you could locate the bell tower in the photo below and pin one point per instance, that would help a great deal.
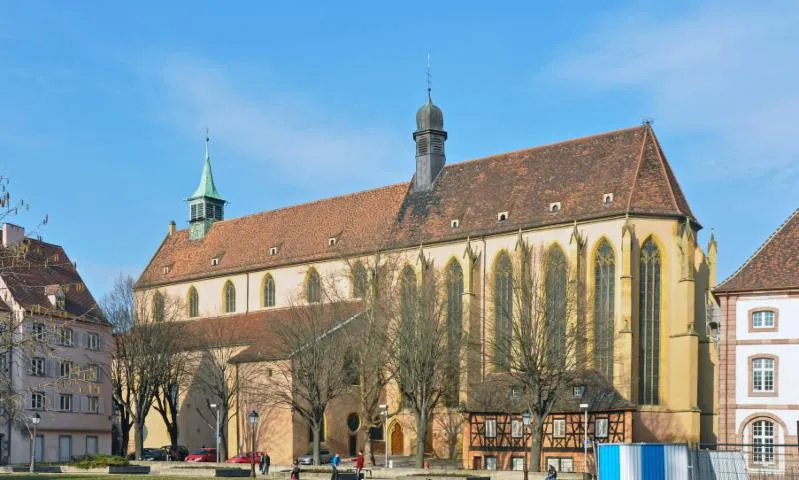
(206, 206)
(429, 137)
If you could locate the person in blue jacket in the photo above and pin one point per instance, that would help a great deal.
(335, 463)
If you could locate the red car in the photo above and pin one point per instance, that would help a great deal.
(246, 458)
(202, 455)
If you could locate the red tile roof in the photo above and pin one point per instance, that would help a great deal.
(31, 269)
(628, 163)
(774, 266)
(259, 330)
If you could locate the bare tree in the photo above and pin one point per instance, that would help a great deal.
(450, 428)
(167, 398)
(146, 338)
(539, 341)
(421, 356)
(313, 372)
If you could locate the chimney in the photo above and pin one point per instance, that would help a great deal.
(12, 234)
(171, 228)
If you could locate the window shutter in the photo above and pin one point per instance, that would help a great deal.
(101, 405)
(48, 401)
(84, 404)
(84, 340)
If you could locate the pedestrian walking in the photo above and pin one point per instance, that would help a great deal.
(295, 470)
(334, 463)
(265, 462)
(552, 474)
(359, 465)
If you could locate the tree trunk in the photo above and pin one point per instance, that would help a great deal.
(125, 438)
(367, 448)
(421, 438)
(315, 428)
(535, 448)
(139, 437)
(222, 454)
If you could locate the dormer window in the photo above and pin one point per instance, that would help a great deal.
(273, 251)
(554, 207)
(502, 216)
(215, 261)
(331, 242)
(455, 223)
(607, 198)
(167, 269)
(56, 296)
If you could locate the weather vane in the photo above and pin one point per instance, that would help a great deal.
(429, 76)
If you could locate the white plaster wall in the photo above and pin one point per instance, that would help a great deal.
(787, 374)
(789, 417)
(20, 446)
(787, 324)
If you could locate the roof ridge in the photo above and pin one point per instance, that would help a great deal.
(546, 145)
(637, 171)
(762, 246)
(312, 202)
(662, 159)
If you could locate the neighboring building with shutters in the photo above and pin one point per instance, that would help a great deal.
(759, 339)
(606, 208)
(56, 363)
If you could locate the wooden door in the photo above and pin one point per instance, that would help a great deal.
(397, 440)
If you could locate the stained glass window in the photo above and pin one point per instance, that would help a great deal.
(269, 291)
(604, 309)
(194, 303)
(649, 325)
(230, 297)
(503, 310)
(557, 281)
(313, 286)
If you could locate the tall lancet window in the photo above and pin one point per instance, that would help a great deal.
(503, 311)
(269, 291)
(313, 286)
(454, 330)
(407, 295)
(194, 303)
(556, 285)
(604, 308)
(649, 325)
(230, 297)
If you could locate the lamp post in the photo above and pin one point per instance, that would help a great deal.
(526, 423)
(584, 408)
(384, 408)
(35, 419)
(215, 406)
(253, 418)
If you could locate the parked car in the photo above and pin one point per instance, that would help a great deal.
(246, 458)
(202, 455)
(177, 455)
(153, 454)
(324, 457)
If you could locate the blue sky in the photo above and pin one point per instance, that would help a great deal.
(104, 105)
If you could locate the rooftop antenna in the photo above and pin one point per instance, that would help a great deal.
(429, 77)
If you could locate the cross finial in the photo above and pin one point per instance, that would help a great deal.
(207, 139)
(429, 77)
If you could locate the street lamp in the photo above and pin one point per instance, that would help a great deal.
(215, 406)
(526, 423)
(384, 408)
(253, 418)
(35, 419)
(584, 408)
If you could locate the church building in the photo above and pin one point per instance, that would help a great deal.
(608, 205)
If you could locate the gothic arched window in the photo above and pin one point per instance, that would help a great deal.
(454, 329)
(158, 307)
(230, 297)
(313, 287)
(269, 291)
(556, 285)
(407, 294)
(649, 325)
(359, 281)
(503, 310)
(194, 303)
(604, 308)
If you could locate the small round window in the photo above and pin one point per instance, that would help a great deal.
(353, 422)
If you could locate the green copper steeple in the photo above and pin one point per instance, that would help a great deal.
(206, 205)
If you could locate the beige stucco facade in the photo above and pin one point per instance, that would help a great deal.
(686, 411)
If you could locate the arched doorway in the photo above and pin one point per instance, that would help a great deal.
(397, 439)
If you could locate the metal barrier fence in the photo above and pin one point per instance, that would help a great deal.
(745, 462)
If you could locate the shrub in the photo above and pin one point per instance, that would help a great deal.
(99, 461)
